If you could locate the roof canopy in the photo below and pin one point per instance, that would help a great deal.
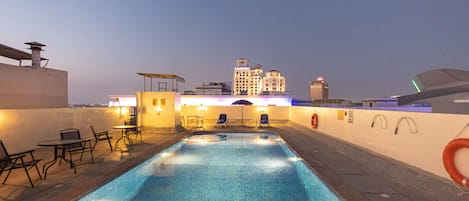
(16, 54)
(162, 76)
(162, 86)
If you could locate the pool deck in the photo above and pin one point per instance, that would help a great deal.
(353, 173)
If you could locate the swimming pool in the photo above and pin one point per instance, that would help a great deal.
(234, 166)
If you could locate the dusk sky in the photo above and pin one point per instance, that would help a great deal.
(364, 49)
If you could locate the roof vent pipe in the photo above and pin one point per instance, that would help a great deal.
(36, 49)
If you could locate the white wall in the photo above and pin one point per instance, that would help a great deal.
(423, 149)
(32, 87)
(22, 129)
(249, 114)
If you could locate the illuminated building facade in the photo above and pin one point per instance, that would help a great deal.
(273, 83)
(251, 80)
(247, 80)
(319, 89)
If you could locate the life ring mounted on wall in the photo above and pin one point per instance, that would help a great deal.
(314, 121)
(448, 160)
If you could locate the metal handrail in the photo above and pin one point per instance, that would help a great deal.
(381, 118)
(408, 120)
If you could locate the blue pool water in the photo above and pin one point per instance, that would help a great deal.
(242, 167)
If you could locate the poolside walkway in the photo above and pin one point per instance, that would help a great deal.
(355, 174)
(61, 184)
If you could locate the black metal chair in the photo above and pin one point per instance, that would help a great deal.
(137, 130)
(73, 133)
(9, 162)
(101, 136)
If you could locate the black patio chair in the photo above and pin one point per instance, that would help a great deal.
(9, 162)
(137, 130)
(73, 133)
(264, 121)
(222, 121)
(101, 136)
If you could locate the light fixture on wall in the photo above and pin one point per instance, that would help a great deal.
(158, 109)
(202, 108)
(262, 109)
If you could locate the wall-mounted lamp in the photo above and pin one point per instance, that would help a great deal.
(122, 111)
(158, 109)
(262, 109)
(202, 108)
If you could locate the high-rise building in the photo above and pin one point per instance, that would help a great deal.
(251, 81)
(319, 89)
(247, 80)
(273, 83)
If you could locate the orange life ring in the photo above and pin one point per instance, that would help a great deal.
(314, 121)
(448, 160)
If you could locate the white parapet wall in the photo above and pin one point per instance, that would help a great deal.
(419, 142)
(238, 114)
(22, 129)
(32, 87)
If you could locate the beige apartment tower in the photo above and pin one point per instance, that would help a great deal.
(319, 89)
(273, 83)
(247, 80)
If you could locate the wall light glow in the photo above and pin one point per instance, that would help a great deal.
(262, 109)
(202, 108)
(123, 100)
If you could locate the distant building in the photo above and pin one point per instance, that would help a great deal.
(380, 102)
(331, 103)
(31, 86)
(319, 89)
(446, 90)
(214, 88)
(247, 80)
(273, 83)
(189, 92)
(251, 80)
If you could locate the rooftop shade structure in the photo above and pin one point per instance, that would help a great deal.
(162, 86)
(437, 83)
(16, 54)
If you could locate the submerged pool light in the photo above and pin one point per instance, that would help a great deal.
(294, 159)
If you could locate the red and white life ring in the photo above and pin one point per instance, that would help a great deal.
(314, 121)
(448, 160)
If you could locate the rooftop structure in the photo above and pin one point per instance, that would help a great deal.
(31, 87)
(446, 90)
(19, 55)
(162, 86)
